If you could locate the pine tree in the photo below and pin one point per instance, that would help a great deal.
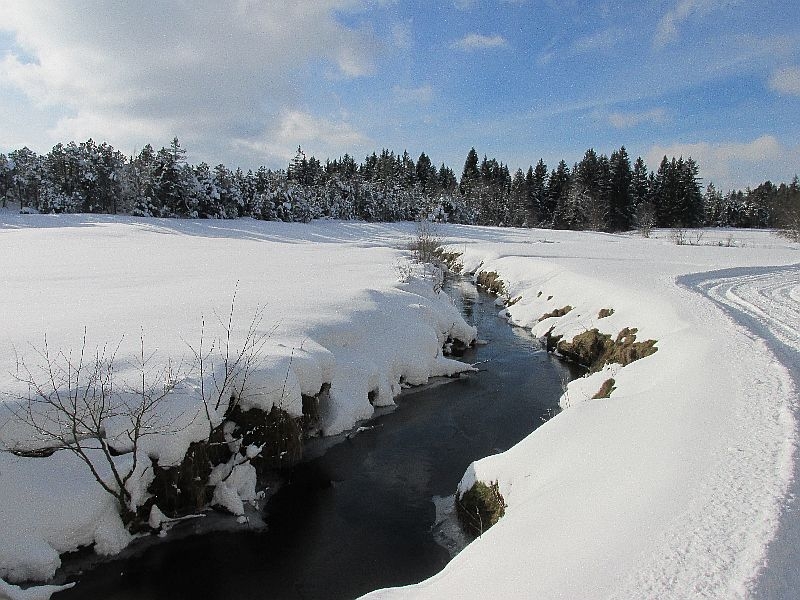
(665, 193)
(558, 189)
(539, 209)
(26, 177)
(588, 201)
(517, 213)
(714, 207)
(297, 167)
(690, 195)
(640, 185)
(446, 179)
(140, 183)
(425, 173)
(171, 191)
(406, 171)
(5, 180)
(471, 175)
(620, 198)
(206, 194)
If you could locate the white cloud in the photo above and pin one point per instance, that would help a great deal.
(133, 73)
(627, 120)
(402, 36)
(477, 41)
(734, 165)
(786, 81)
(601, 40)
(319, 137)
(416, 95)
(667, 29)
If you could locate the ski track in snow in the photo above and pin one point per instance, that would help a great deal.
(717, 550)
(768, 303)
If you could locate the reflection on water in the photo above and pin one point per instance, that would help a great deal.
(374, 510)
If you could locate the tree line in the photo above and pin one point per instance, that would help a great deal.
(602, 193)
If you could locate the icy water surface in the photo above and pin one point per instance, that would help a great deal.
(363, 515)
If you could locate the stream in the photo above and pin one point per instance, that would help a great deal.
(369, 510)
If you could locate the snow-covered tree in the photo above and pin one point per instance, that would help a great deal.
(5, 179)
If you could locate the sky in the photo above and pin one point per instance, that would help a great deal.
(245, 82)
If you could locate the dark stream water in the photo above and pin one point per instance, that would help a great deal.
(361, 516)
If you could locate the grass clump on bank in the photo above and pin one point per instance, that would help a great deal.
(594, 350)
(605, 389)
(450, 259)
(491, 282)
(558, 312)
(480, 507)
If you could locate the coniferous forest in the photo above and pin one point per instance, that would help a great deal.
(598, 193)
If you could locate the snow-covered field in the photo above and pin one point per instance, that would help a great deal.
(673, 487)
(331, 305)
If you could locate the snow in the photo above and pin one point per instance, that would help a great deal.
(671, 488)
(40, 592)
(323, 302)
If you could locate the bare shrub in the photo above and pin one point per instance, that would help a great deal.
(645, 218)
(678, 236)
(426, 241)
(790, 227)
(75, 399)
(72, 398)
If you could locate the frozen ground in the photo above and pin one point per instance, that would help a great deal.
(672, 488)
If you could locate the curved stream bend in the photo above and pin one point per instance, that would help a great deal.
(364, 514)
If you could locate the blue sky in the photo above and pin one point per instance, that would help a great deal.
(245, 82)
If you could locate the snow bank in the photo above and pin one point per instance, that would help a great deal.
(49, 506)
(322, 300)
(671, 488)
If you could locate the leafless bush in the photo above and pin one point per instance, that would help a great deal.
(645, 219)
(678, 236)
(404, 270)
(790, 228)
(72, 399)
(426, 241)
(229, 368)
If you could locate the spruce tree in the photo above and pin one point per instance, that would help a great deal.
(517, 213)
(425, 172)
(5, 179)
(539, 209)
(690, 200)
(471, 175)
(171, 193)
(620, 198)
(558, 189)
(446, 179)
